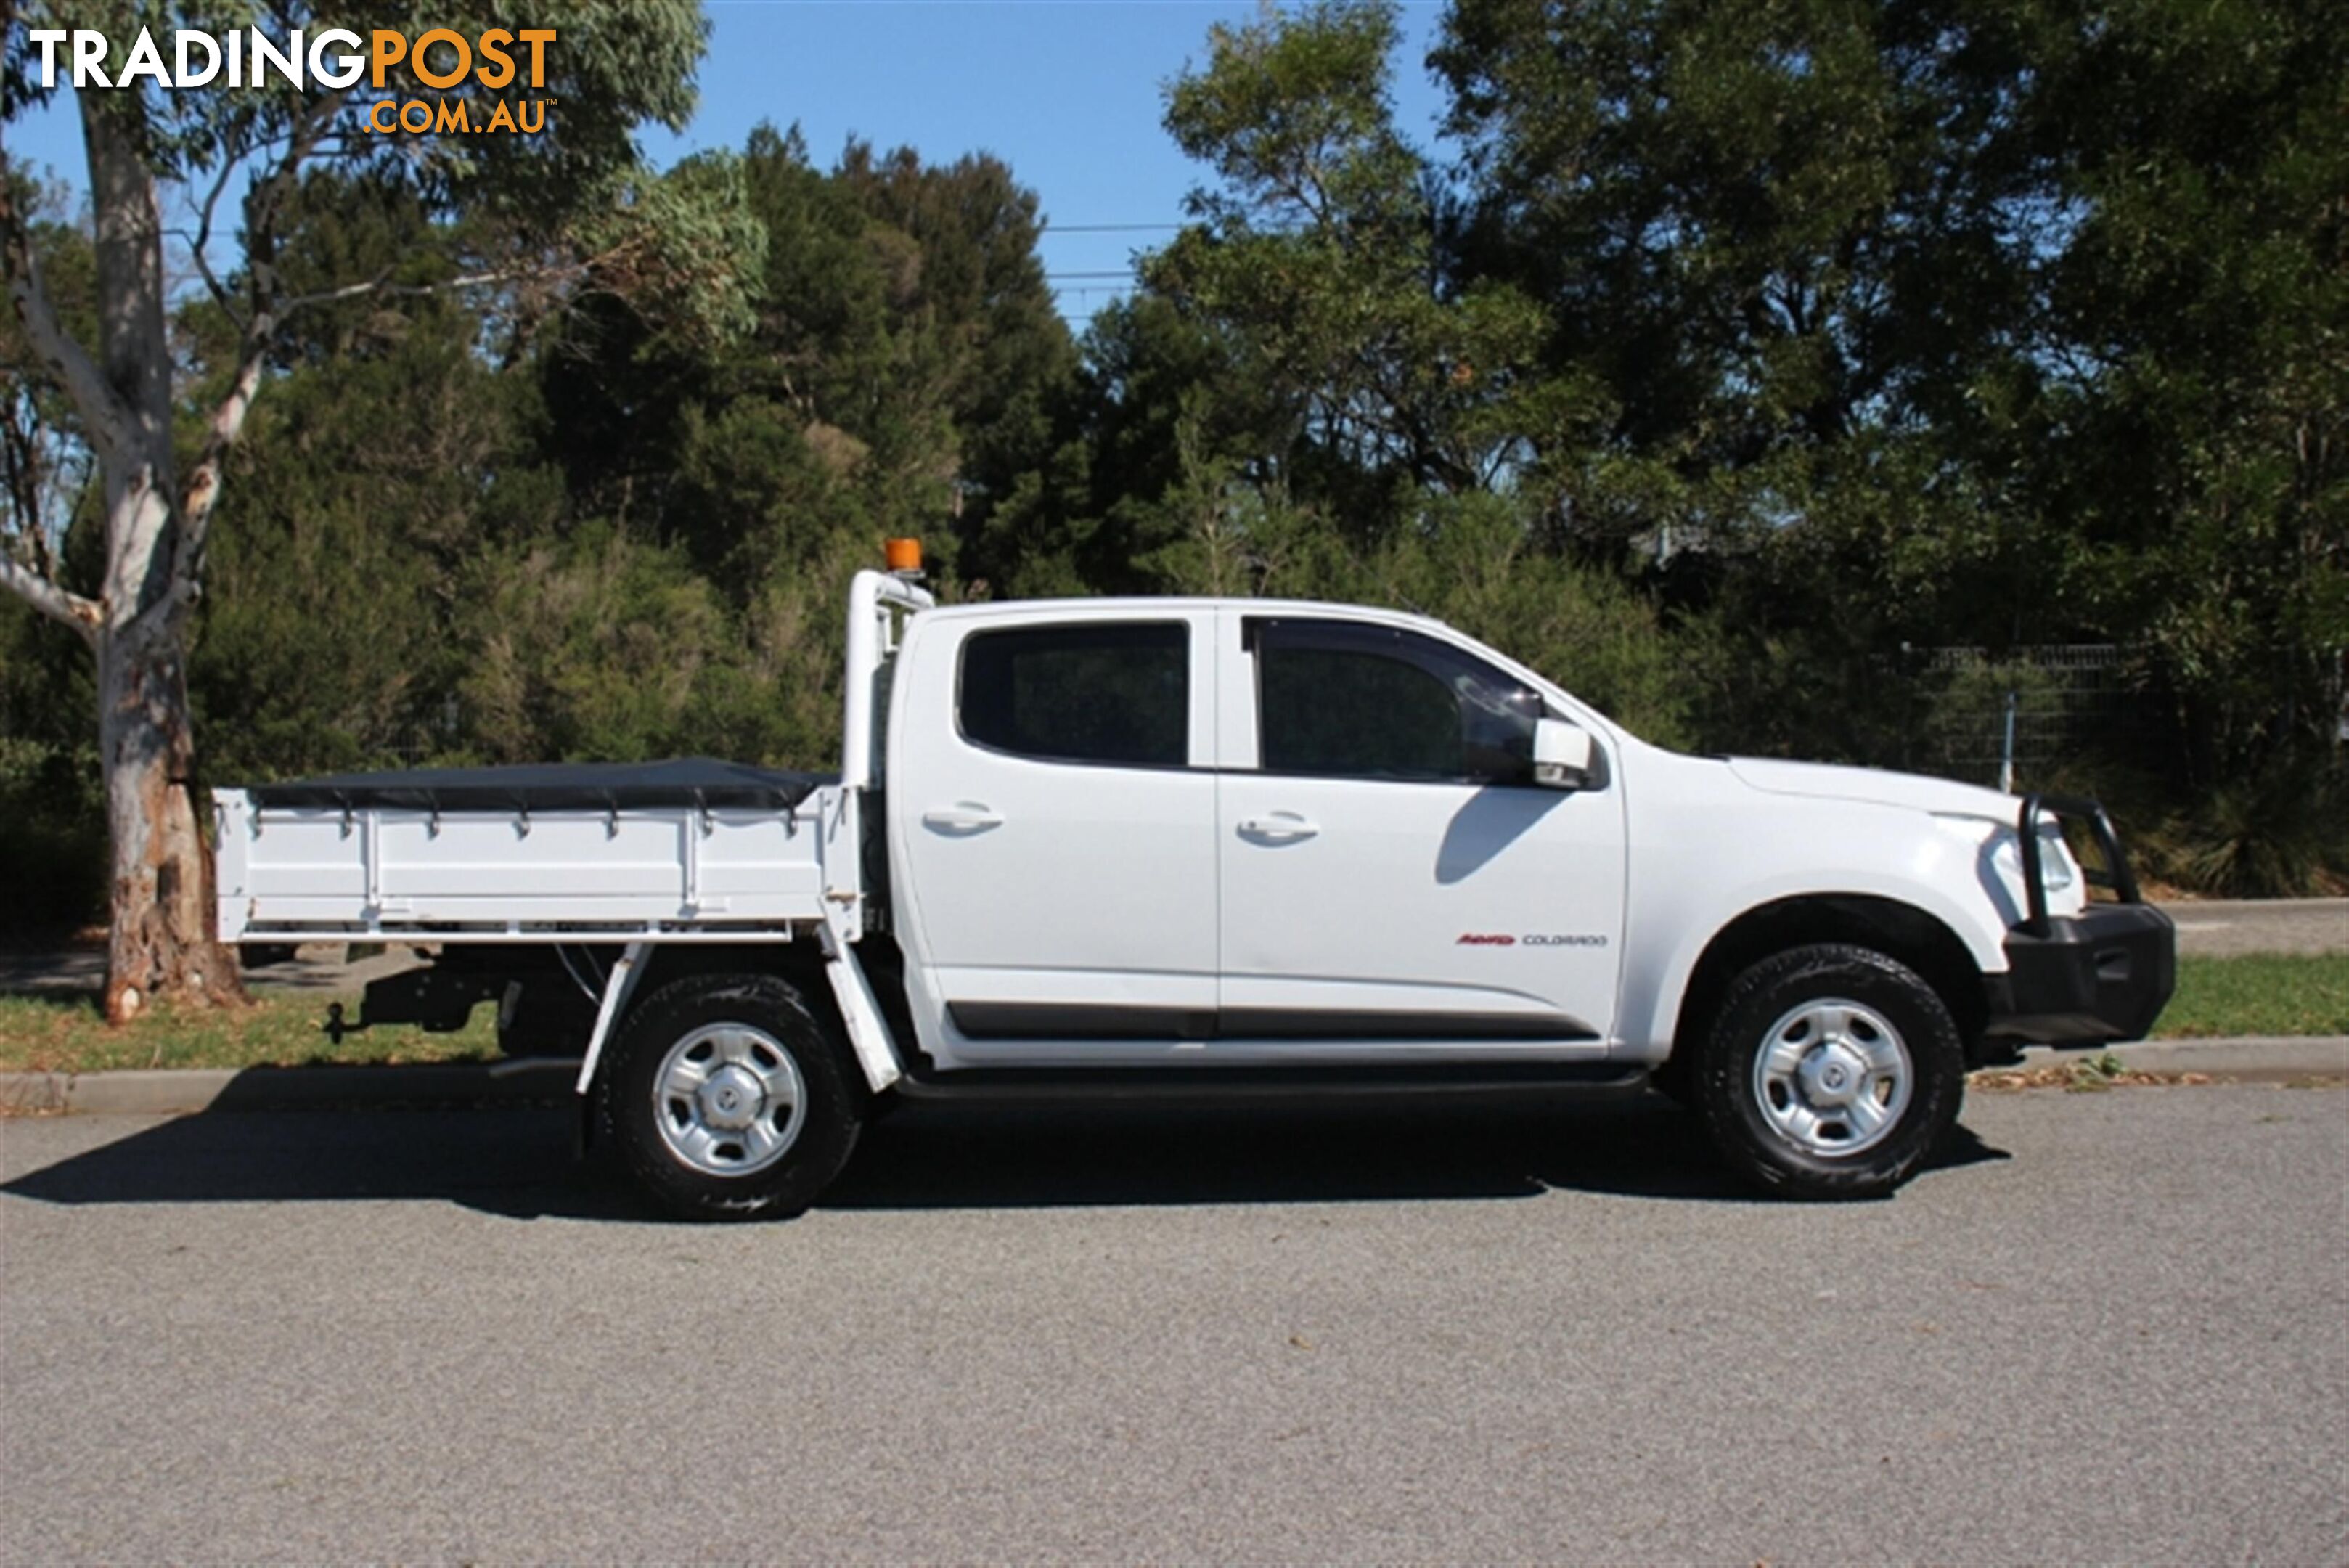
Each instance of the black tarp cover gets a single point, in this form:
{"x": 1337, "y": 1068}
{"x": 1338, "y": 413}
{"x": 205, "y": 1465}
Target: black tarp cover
{"x": 555, "y": 786}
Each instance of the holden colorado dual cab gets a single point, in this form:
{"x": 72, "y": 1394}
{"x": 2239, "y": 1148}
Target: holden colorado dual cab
{"x": 1204, "y": 847}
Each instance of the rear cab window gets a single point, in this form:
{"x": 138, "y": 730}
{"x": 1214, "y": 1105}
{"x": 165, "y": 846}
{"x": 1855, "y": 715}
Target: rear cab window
{"x": 1105, "y": 694}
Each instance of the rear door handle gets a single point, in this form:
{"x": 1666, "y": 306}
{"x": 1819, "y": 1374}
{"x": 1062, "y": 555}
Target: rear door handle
{"x": 1278, "y": 827}
{"x": 964, "y": 817}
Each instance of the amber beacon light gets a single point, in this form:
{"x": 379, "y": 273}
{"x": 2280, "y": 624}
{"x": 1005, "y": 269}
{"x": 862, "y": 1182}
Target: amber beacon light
{"x": 903, "y": 555}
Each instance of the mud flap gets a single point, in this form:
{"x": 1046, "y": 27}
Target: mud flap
{"x": 868, "y": 1035}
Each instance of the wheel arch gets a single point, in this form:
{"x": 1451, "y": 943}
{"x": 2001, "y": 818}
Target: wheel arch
{"x": 1914, "y": 937}
{"x": 801, "y": 963}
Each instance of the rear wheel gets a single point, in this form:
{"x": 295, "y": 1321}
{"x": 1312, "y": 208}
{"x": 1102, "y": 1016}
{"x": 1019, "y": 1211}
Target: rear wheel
{"x": 1830, "y": 1071}
{"x": 727, "y": 1099}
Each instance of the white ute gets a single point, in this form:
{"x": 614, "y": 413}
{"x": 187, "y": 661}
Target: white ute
{"x": 1200, "y": 846}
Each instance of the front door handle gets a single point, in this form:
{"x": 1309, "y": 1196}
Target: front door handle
{"x": 1278, "y": 827}
{"x": 964, "y": 817}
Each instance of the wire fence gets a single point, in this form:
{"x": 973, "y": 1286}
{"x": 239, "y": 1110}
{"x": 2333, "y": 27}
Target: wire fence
{"x": 2028, "y": 711}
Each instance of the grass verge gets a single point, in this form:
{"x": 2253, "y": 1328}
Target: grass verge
{"x": 66, "y": 1034}
{"x": 2259, "y": 995}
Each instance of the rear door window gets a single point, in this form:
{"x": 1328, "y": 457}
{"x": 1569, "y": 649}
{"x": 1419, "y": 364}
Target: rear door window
{"x": 1116, "y": 694}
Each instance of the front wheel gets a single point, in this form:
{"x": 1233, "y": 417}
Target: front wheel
{"x": 1830, "y": 1071}
{"x": 726, "y": 1099}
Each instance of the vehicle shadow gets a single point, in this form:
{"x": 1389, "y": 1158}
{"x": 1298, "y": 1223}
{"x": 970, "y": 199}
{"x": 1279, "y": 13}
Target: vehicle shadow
{"x": 517, "y": 1161}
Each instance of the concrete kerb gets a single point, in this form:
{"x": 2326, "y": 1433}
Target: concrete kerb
{"x": 2249, "y": 1059}
{"x": 2252, "y": 1058}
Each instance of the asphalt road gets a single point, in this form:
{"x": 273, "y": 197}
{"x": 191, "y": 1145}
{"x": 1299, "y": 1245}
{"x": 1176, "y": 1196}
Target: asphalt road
{"x": 2116, "y": 1329}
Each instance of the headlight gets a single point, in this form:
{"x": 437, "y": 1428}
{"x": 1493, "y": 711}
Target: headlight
{"x": 2058, "y": 872}
{"x": 2000, "y": 849}
{"x": 2057, "y": 866}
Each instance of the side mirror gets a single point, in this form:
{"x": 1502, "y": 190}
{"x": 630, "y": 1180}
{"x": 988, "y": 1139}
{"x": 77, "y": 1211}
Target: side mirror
{"x": 1563, "y": 754}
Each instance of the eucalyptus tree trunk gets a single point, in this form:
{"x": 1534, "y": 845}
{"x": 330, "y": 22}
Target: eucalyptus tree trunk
{"x": 164, "y": 936}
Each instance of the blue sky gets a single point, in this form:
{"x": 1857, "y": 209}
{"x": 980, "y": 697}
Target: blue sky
{"x": 1066, "y": 91}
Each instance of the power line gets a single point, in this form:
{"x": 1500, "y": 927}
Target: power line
{"x": 1087, "y": 276}
{"x": 1052, "y": 228}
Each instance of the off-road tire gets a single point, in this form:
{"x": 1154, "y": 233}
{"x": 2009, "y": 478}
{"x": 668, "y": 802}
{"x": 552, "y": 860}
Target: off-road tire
{"x": 630, "y": 1098}
{"x": 1735, "y": 1109}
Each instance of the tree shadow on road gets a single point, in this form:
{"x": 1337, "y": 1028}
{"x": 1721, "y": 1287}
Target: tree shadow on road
{"x": 519, "y": 1161}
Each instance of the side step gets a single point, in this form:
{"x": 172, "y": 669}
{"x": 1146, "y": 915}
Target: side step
{"x": 1223, "y": 1086}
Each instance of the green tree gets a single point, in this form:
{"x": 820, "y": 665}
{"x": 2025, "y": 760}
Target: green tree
{"x": 1307, "y": 399}
{"x": 54, "y": 850}
{"x": 2188, "y": 437}
{"x": 575, "y": 192}
{"x": 1320, "y": 250}
{"x": 1159, "y": 393}
{"x": 1942, "y": 322}
{"x": 392, "y": 452}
